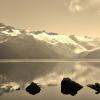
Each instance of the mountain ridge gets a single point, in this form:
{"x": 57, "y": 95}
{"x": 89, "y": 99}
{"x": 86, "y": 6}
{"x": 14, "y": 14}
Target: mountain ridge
{"x": 17, "y": 43}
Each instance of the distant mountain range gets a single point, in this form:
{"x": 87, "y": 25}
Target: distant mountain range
{"x": 21, "y": 44}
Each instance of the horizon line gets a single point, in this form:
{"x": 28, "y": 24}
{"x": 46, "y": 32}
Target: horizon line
{"x": 46, "y": 60}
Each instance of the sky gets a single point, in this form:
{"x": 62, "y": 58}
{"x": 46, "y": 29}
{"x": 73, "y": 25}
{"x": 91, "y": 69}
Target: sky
{"x": 79, "y": 17}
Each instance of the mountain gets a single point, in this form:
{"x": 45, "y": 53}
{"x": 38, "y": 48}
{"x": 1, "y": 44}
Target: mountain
{"x": 17, "y": 43}
{"x": 95, "y": 53}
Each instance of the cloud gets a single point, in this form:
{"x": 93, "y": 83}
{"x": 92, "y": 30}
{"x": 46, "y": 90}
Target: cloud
{"x": 75, "y": 6}
{"x": 89, "y": 6}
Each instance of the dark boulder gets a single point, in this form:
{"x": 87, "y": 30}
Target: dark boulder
{"x": 95, "y": 87}
{"x": 70, "y": 87}
{"x": 33, "y": 88}
{"x": 18, "y": 89}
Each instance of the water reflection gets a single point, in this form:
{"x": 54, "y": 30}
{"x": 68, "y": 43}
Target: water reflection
{"x": 51, "y": 74}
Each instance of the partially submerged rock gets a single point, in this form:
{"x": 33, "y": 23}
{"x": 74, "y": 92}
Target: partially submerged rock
{"x": 70, "y": 87}
{"x": 9, "y": 87}
{"x": 33, "y": 88}
{"x": 95, "y": 87}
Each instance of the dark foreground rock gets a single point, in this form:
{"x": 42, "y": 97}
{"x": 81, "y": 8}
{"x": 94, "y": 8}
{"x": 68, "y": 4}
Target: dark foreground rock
{"x": 70, "y": 87}
{"x": 33, "y": 88}
{"x": 95, "y": 87}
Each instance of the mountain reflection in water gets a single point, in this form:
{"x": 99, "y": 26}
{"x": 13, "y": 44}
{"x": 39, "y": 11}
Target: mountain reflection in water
{"x": 48, "y": 75}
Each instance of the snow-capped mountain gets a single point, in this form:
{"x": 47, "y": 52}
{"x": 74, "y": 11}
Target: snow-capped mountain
{"x": 16, "y": 43}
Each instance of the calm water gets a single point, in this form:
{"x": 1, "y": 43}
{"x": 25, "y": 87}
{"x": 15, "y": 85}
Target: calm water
{"x": 49, "y": 76}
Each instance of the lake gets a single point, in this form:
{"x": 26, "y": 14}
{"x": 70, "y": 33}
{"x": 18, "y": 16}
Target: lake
{"x": 49, "y": 76}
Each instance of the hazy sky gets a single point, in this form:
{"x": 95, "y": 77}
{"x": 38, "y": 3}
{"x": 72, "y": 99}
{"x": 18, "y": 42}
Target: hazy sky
{"x": 62, "y": 16}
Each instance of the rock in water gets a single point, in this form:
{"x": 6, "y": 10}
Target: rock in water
{"x": 95, "y": 87}
{"x": 33, "y": 88}
{"x": 70, "y": 87}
